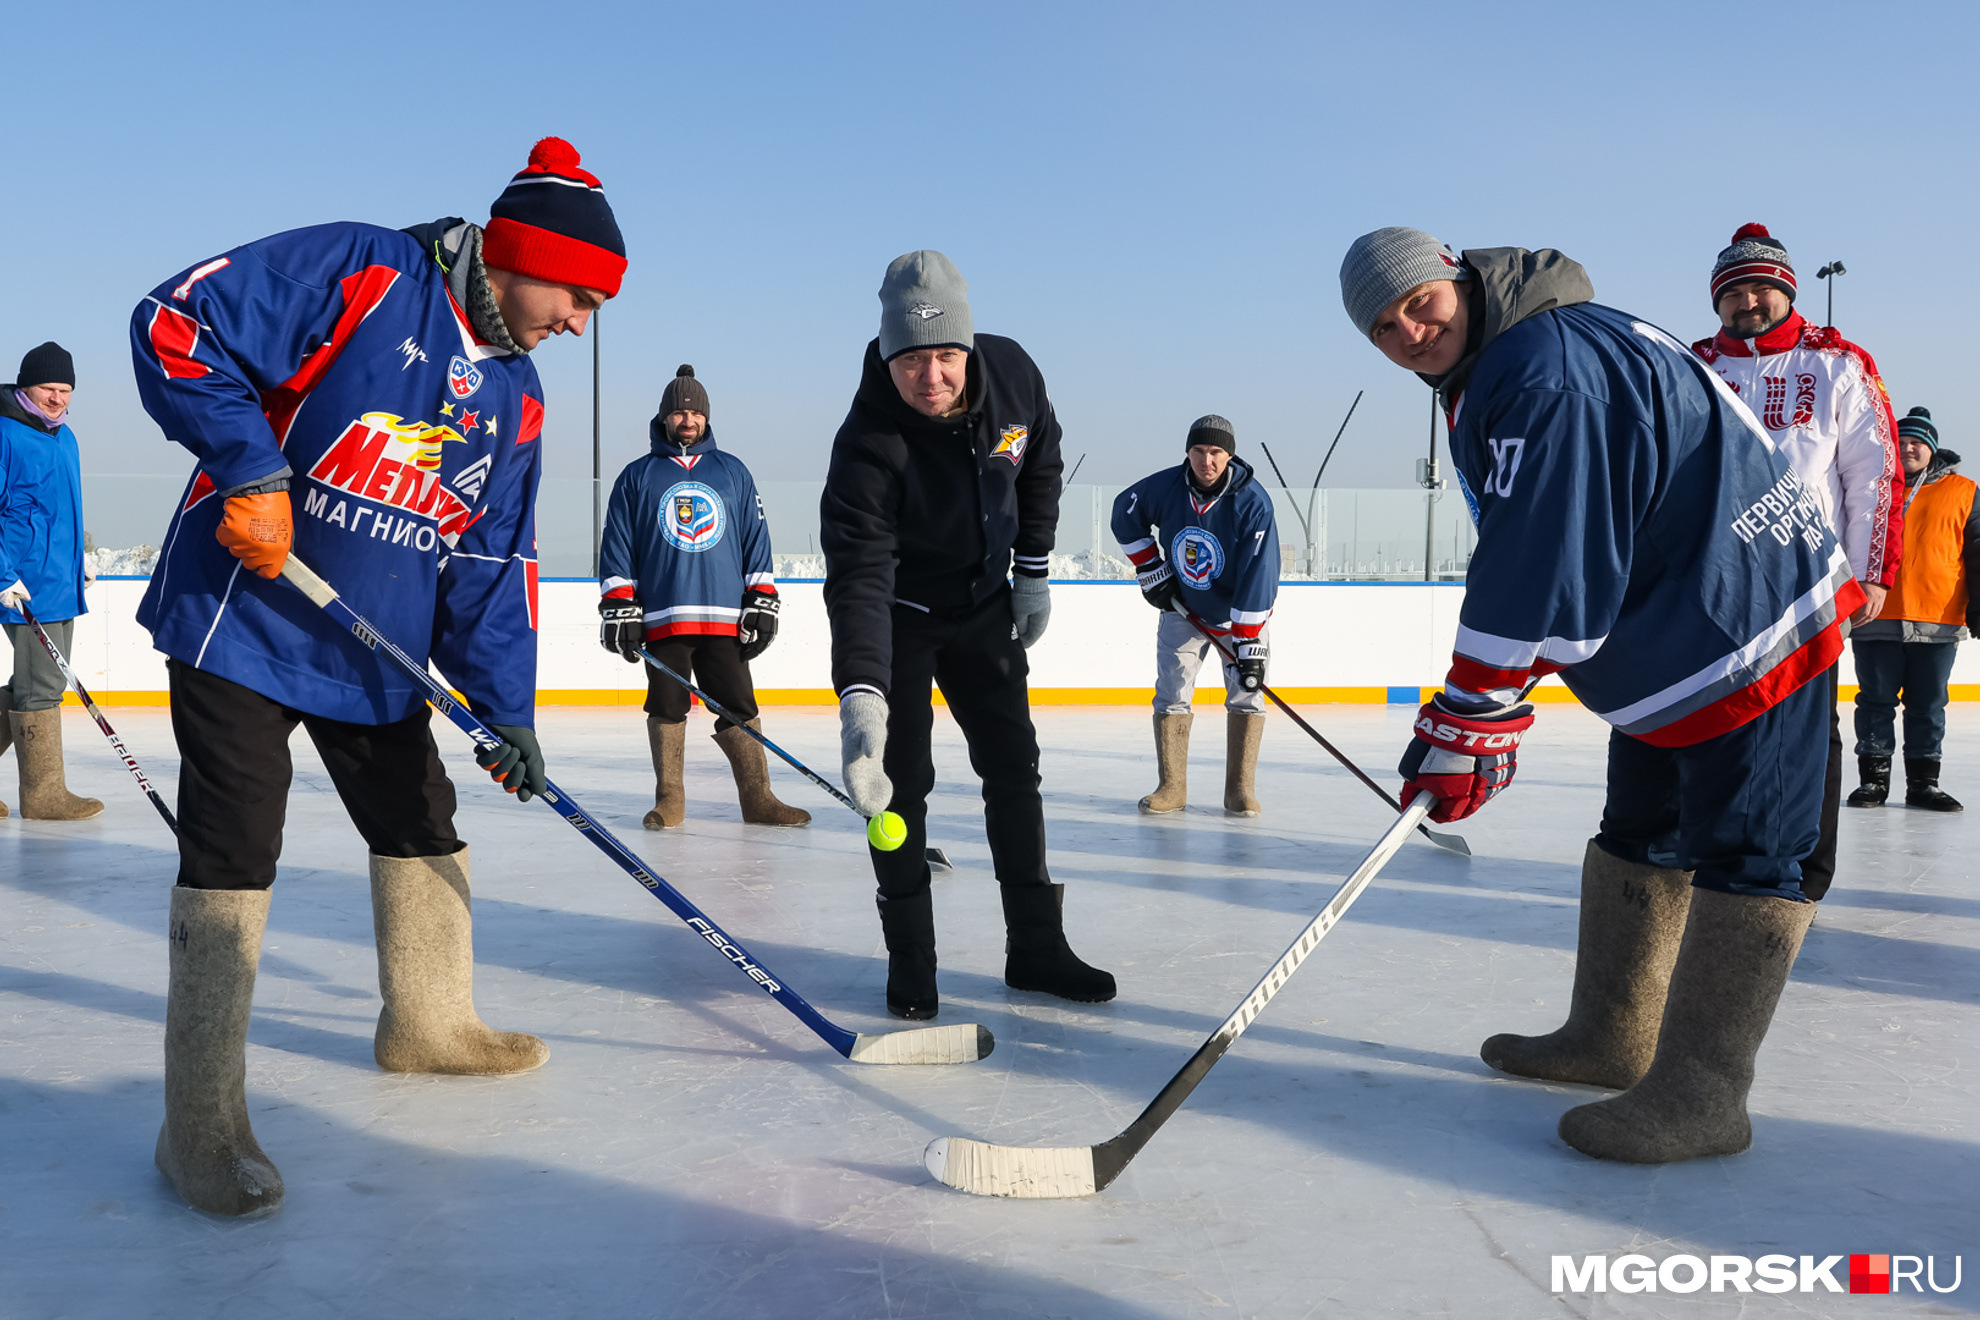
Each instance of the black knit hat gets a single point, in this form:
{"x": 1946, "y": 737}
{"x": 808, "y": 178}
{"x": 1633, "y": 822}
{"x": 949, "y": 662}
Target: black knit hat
{"x": 1917, "y": 425}
{"x": 684, "y": 393}
{"x": 1210, "y": 429}
{"x": 50, "y": 364}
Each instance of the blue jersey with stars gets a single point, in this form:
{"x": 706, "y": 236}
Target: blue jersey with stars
{"x": 685, "y": 536}
{"x": 1224, "y": 549}
{"x": 336, "y": 355}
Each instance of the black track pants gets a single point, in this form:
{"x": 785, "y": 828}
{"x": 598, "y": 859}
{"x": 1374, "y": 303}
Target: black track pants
{"x": 982, "y": 671}
{"x": 234, "y": 773}
{"x": 715, "y": 665}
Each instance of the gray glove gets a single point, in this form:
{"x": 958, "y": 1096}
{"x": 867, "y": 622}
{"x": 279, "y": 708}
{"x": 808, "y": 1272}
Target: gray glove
{"x": 517, "y": 765}
{"x": 1031, "y": 608}
{"x": 862, "y": 742}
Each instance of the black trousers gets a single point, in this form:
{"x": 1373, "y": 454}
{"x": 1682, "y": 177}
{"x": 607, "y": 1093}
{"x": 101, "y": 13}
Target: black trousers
{"x": 716, "y": 666}
{"x": 1819, "y": 867}
{"x": 982, "y": 671}
{"x": 234, "y": 775}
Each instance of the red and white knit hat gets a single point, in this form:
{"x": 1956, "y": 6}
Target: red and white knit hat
{"x": 1754, "y": 255}
{"x": 553, "y": 222}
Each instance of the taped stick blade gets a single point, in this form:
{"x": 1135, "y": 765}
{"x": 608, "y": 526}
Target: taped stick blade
{"x": 1032, "y": 1172}
{"x": 1449, "y": 842}
{"x": 964, "y": 1042}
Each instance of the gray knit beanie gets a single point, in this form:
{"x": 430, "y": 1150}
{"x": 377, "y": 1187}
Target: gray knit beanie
{"x": 924, "y": 303}
{"x": 1382, "y": 266}
{"x": 684, "y": 393}
{"x": 1210, "y": 429}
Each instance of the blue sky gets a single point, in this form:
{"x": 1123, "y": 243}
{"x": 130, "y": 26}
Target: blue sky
{"x": 1153, "y": 198}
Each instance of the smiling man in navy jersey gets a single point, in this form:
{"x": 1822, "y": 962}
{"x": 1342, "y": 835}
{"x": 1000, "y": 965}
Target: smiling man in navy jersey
{"x": 382, "y": 376}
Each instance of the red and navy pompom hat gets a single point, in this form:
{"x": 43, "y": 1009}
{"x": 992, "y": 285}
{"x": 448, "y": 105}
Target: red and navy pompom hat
{"x": 553, "y": 222}
{"x": 1754, "y": 254}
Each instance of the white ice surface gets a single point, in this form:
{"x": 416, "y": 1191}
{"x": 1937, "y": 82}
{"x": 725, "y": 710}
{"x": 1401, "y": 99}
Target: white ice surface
{"x": 692, "y": 1150}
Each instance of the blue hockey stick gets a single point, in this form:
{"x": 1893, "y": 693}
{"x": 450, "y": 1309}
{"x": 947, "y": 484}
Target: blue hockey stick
{"x": 962, "y": 1043}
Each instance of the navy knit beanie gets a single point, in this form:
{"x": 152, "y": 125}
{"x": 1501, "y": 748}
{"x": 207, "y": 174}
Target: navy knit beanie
{"x": 553, "y": 223}
{"x": 1917, "y": 425}
{"x": 50, "y": 364}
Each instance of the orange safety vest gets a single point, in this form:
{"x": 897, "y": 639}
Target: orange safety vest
{"x": 1931, "y": 580}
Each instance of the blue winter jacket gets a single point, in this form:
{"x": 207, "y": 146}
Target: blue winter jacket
{"x": 41, "y": 514}
{"x": 337, "y": 355}
{"x": 1225, "y": 550}
{"x": 685, "y": 535}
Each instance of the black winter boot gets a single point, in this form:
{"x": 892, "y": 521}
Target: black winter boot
{"x": 1036, "y": 955}
{"x": 1921, "y": 787}
{"x": 1875, "y": 772}
{"x": 908, "y": 923}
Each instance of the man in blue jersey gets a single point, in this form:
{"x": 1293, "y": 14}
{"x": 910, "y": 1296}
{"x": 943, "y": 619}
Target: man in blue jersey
{"x": 384, "y": 376}
{"x": 41, "y": 567}
{"x": 1222, "y": 567}
{"x": 1641, "y": 535}
{"x": 684, "y": 570}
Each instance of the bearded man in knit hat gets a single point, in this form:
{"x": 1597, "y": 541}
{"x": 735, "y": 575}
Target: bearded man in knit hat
{"x": 1639, "y": 536}
{"x": 937, "y": 520}
{"x": 384, "y": 377}
{"x": 1223, "y": 567}
{"x": 42, "y": 568}
{"x": 1823, "y": 403}
{"x": 684, "y": 570}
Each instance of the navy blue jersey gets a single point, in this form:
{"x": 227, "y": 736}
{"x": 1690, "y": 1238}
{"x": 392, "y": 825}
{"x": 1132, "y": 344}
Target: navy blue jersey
{"x": 1224, "y": 549}
{"x": 685, "y": 535}
{"x": 336, "y": 355}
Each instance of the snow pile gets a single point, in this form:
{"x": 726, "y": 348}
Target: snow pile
{"x": 136, "y": 561}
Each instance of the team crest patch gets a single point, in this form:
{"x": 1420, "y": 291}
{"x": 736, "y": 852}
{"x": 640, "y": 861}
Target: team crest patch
{"x": 1011, "y": 443}
{"x": 463, "y": 378}
{"x": 1197, "y": 556}
{"x": 692, "y": 517}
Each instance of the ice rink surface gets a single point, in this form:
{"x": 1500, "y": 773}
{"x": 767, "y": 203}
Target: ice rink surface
{"x": 692, "y": 1150}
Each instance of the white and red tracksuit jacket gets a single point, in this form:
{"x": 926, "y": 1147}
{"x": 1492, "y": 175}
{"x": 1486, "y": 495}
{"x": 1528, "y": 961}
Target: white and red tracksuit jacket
{"x": 1821, "y": 399}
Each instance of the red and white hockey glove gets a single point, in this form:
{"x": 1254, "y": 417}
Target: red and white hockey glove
{"x": 1464, "y": 761}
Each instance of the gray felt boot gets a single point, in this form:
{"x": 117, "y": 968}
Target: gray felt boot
{"x": 1172, "y": 763}
{"x": 668, "y": 743}
{"x": 45, "y": 791}
{"x": 206, "y": 1146}
{"x": 1632, "y": 921}
{"x": 1737, "y": 953}
{"x": 1242, "y": 736}
{"x": 760, "y": 806}
{"x": 419, "y": 908}
{"x": 6, "y": 732}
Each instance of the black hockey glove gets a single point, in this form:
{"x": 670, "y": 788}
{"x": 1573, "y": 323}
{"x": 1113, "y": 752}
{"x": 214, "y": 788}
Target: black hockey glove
{"x": 1251, "y": 656}
{"x": 517, "y": 765}
{"x": 621, "y": 627}
{"x": 759, "y": 622}
{"x": 1158, "y": 585}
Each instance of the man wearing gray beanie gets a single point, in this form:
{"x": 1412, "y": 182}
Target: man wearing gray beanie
{"x": 937, "y": 522}
{"x": 1680, "y": 577}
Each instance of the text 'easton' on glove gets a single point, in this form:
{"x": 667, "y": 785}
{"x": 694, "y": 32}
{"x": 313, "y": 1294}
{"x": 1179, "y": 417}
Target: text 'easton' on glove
{"x": 1251, "y": 656}
{"x": 259, "y": 530}
{"x": 517, "y": 765}
{"x": 1464, "y": 761}
{"x": 621, "y": 626}
{"x": 1158, "y": 585}
{"x": 758, "y": 627}
{"x": 862, "y": 749}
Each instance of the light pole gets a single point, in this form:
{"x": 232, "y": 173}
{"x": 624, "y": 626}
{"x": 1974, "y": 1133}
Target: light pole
{"x": 1829, "y": 273}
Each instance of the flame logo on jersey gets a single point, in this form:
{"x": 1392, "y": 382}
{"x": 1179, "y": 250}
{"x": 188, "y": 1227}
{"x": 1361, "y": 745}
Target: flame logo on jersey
{"x": 692, "y": 517}
{"x": 383, "y": 458}
{"x": 1011, "y": 443}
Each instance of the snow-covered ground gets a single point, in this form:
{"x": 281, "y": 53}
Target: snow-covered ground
{"x": 692, "y": 1150}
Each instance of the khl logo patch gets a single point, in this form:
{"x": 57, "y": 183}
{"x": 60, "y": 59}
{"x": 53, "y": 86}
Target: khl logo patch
{"x": 1197, "y": 556}
{"x": 1011, "y": 443}
{"x": 463, "y": 377}
{"x": 692, "y": 517}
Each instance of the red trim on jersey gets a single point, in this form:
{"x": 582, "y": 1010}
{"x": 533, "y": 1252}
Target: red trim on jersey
{"x": 1471, "y": 676}
{"x": 532, "y": 420}
{"x": 619, "y": 593}
{"x": 698, "y": 628}
{"x": 1145, "y": 556}
{"x": 529, "y": 579}
{"x": 174, "y": 336}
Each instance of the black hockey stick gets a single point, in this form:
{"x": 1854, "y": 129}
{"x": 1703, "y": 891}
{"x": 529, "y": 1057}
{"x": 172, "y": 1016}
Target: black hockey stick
{"x": 1450, "y": 842}
{"x": 1056, "y": 1171}
{"x": 963, "y": 1043}
{"x": 116, "y": 743}
{"x": 935, "y": 856}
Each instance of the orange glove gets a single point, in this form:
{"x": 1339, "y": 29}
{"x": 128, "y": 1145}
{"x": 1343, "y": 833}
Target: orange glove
{"x": 259, "y": 530}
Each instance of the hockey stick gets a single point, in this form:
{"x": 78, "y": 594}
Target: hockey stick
{"x": 116, "y": 743}
{"x": 1450, "y": 842}
{"x": 1058, "y": 1171}
{"x": 963, "y": 1043}
{"x": 935, "y": 856}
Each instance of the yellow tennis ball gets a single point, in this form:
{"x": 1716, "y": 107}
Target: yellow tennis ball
{"x": 886, "y": 831}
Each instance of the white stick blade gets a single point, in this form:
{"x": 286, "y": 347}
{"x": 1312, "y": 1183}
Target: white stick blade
{"x": 982, "y": 1169}
{"x": 965, "y": 1042}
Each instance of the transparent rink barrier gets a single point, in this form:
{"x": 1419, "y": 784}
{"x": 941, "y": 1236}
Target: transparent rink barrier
{"x": 1332, "y": 535}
